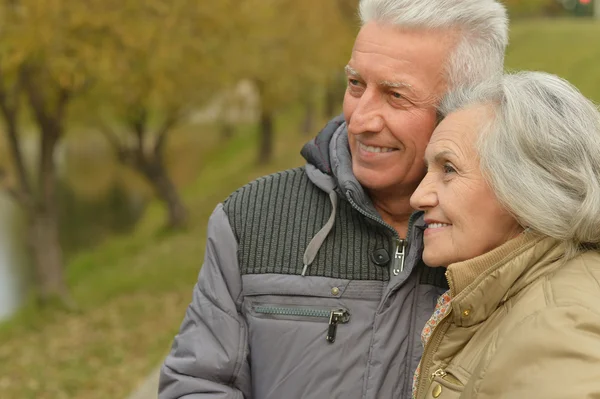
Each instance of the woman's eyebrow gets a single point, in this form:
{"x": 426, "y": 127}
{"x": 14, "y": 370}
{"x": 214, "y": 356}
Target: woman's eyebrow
{"x": 442, "y": 156}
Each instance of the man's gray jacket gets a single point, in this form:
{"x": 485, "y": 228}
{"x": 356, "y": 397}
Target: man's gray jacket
{"x": 305, "y": 292}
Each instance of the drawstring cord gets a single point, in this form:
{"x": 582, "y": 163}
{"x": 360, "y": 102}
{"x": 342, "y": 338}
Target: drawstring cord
{"x": 317, "y": 241}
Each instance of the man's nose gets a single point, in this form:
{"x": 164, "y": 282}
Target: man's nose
{"x": 368, "y": 114}
{"x": 425, "y": 196}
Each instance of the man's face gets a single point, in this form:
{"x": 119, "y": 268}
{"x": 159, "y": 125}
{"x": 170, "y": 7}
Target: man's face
{"x": 395, "y": 80}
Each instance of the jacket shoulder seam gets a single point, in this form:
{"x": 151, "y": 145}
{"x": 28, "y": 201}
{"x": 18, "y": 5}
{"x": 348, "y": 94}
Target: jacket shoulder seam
{"x": 587, "y": 270}
{"x": 240, "y": 354}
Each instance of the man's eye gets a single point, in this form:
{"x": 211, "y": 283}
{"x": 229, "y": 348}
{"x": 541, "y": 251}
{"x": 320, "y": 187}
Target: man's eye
{"x": 353, "y": 82}
{"x": 397, "y": 95}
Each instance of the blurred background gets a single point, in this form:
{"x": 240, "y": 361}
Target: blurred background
{"x": 124, "y": 122}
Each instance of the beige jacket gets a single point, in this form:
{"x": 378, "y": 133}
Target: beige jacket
{"x": 521, "y": 325}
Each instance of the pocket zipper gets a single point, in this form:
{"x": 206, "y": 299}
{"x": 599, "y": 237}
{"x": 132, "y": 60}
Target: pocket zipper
{"x": 441, "y": 373}
{"x": 335, "y": 316}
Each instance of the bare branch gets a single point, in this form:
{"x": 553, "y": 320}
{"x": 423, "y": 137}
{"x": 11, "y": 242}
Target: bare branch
{"x": 111, "y": 137}
{"x": 35, "y": 97}
{"x": 168, "y": 124}
{"x": 139, "y": 122}
{"x": 21, "y": 198}
{"x": 9, "y": 104}
{"x": 64, "y": 96}
{"x": 125, "y": 154}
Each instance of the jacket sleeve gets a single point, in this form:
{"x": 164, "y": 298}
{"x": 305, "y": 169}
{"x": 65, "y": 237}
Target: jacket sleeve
{"x": 209, "y": 356}
{"x": 554, "y": 354}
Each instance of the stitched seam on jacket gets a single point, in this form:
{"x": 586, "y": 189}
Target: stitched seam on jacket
{"x": 548, "y": 291}
{"x": 479, "y": 381}
{"x": 369, "y": 360}
{"x": 411, "y": 341}
{"x": 238, "y": 318}
{"x": 589, "y": 272}
{"x": 215, "y": 303}
{"x": 240, "y": 297}
{"x": 240, "y": 353}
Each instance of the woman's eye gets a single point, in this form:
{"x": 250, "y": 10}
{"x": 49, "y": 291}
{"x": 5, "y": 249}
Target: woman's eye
{"x": 449, "y": 168}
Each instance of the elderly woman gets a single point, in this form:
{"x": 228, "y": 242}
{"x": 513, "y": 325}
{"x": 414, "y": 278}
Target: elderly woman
{"x": 512, "y": 206}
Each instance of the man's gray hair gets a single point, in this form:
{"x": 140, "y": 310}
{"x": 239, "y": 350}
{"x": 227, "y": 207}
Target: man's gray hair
{"x": 541, "y": 154}
{"x": 482, "y": 26}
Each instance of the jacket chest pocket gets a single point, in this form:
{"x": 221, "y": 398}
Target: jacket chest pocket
{"x": 332, "y": 316}
{"x": 308, "y": 337}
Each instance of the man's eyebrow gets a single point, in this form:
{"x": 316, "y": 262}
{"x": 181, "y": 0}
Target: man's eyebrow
{"x": 351, "y": 71}
{"x": 398, "y": 85}
{"x": 395, "y": 85}
{"x": 385, "y": 83}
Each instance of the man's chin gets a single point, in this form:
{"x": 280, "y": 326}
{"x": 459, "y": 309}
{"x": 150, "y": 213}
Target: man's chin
{"x": 373, "y": 180}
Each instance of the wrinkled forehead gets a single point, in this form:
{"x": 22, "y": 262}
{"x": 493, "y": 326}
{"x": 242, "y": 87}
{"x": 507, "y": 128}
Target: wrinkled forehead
{"x": 415, "y": 57}
{"x": 463, "y": 127}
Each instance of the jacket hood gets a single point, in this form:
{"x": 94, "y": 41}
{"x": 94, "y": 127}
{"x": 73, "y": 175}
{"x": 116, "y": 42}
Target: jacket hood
{"x": 329, "y": 165}
{"x": 316, "y": 151}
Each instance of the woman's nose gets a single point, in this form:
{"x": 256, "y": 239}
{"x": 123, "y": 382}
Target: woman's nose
{"x": 425, "y": 197}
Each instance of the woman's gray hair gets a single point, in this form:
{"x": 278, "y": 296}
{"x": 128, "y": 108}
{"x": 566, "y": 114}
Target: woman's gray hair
{"x": 541, "y": 154}
{"x": 481, "y": 24}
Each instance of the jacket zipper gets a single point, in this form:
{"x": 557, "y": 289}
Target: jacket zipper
{"x": 401, "y": 244}
{"x": 400, "y": 256}
{"x": 401, "y": 248}
{"x": 335, "y": 316}
{"x": 434, "y": 342}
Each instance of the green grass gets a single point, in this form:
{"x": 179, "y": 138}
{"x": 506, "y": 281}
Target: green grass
{"x": 569, "y": 48}
{"x": 133, "y": 290}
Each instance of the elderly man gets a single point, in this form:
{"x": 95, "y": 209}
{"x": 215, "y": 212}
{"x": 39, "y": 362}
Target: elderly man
{"x": 313, "y": 284}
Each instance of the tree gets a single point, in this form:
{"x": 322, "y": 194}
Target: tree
{"x": 533, "y": 8}
{"x": 290, "y": 49}
{"x": 163, "y": 62}
{"x": 45, "y": 54}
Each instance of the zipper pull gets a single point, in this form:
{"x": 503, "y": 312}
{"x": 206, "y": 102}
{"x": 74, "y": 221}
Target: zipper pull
{"x": 438, "y": 373}
{"x": 336, "y": 317}
{"x": 400, "y": 252}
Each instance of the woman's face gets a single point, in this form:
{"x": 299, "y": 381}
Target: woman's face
{"x": 463, "y": 216}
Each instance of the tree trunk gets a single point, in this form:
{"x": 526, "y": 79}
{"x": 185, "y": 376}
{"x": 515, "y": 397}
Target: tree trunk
{"x": 47, "y": 257}
{"x": 227, "y": 130}
{"x": 265, "y": 149}
{"x": 167, "y": 193}
{"x": 334, "y": 96}
{"x": 330, "y": 101}
{"x": 44, "y": 227}
{"x": 42, "y": 211}
{"x": 308, "y": 124}
{"x": 265, "y": 139}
